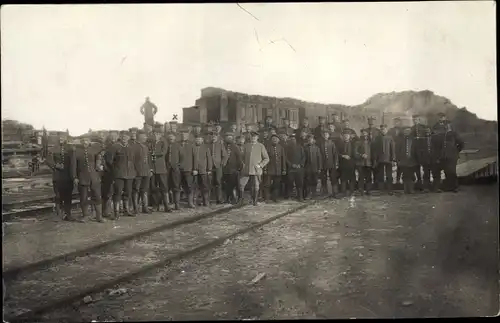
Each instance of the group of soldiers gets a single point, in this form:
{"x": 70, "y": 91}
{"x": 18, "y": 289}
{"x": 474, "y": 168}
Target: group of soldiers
{"x": 131, "y": 171}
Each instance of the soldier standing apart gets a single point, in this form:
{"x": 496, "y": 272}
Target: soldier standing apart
{"x": 364, "y": 162}
{"x": 295, "y": 159}
{"x": 418, "y": 131}
{"x": 312, "y": 168}
{"x": 59, "y": 160}
{"x": 123, "y": 164}
{"x": 254, "y": 158}
{"x": 219, "y": 159}
{"x": 405, "y": 154}
{"x": 159, "y": 179}
{"x": 274, "y": 170}
{"x": 148, "y": 109}
{"x": 330, "y": 163}
{"x": 347, "y": 165}
{"x": 85, "y": 175}
{"x": 449, "y": 144}
{"x": 231, "y": 168}
{"x": 143, "y": 168}
{"x": 186, "y": 164}
{"x": 385, "y": 156}
{"x": 202, "y": 166}
{"x": 396, "y": 133}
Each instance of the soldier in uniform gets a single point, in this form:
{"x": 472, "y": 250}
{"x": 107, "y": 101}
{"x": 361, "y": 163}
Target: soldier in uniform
{"x": 249, "y": 129}
{"x": 286, "y": 127}
{"x": 264, "y": 137}
{"x": 240, "y": 142}
{"x": 334, "y": 134}
{"x": 59, "y": 160}
{"x": 85, "y": 175}
{"x": 418, "y": 131}
{"x": 364, "y": 161}
{"x": 320, "y": 129}
{"x": 172, "y": 166}
{"x": 196, "y": 132}
{"x": 304, "y": 127}
{"x": 274, "y": 170}
{"x": 202, "y": 166}
{"x": 295, "y": 159}
{"x": 148, "y": 109}
{"x": 175, "y": 130}
{"x": 269, "y": 122}
{"x": 346, "y": 127}
{"x": 384, "y": 156}
{"x": 405, "y": 154}
{"x": 448, "y": 147}
{"x": 234, "y": 129}
{"x": 186, "y": 159}
{"x": 336, "y": 122}
{"x": 312, "y": 167}
{"x": 143, "y": 168}
{"x": 159, "y": 178}
{"x": 330, "y": 162}
{"x": 428, "y": 161}
{"x": 231, "y": 168}
{"x": 442, "y": 125}
{"x": 108, "y": 177}
{"x": 303, "y": 138}
{"x": 372, "y": 133}
{"x": 218, "y": 131}
{"x": 347, "y": 164}
{"x": 219, "y": 159}
{"x": 121, "y": 158}
{"x": 285, "y": 189}
{"x": 396, "y": 133}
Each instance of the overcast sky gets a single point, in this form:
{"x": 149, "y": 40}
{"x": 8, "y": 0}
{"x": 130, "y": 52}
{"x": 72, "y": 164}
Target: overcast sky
{"x": 91, "y": 66}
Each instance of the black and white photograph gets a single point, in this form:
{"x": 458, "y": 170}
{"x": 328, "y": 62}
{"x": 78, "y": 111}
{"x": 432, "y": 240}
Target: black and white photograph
{"x": 249, "y": 161}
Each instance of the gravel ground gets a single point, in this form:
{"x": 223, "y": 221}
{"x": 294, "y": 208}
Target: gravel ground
{"x": 426, "y": 255}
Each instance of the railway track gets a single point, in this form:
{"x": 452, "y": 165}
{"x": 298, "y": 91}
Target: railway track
{"x": 72, "y": 279}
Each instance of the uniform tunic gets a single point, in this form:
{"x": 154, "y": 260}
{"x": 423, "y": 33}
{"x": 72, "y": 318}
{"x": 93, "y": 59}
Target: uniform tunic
{"x": 330, "y": 162}
{"x": 143, "y": 168}
{"x": 203, "y": 165}
{"x": 62, "y": 182}
{"x": 313, "y": 164}
{"x": 84, "y": 168}
{"x": 122, "y": 159}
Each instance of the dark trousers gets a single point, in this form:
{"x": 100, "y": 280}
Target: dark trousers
{"x": 347, "y": 177}
{"x": 418, "y": 173}
{"x": 216, "y": 183}
{"x": 399, "y": 174}
{"x": 332, "y": 173}
{"x": 284, "y": 186}
{"x": 159, "y": 183}
{"x": 107, "y": 186}
{"x": 141, "y": 184}
{"x": 63, "y": 191}
{"x": 408, "y": 173}
{"x": 202, "y": 182}
{"x": 296, "y": 177}
{"x": 186, "y": 181}
{"x": 310, "y": 182}
{"x": 230, "y": 183}
{"x": 94, "y": 189}
{"x": 365, "y": 178}
{"x": 174, "y": 179}
{"x": 427, "y": 176}
{"x": 122, "y": 188}
{"x": 271, "y": 184}
{"x": 450, "y": 172}
{"x": 384, "y": 172}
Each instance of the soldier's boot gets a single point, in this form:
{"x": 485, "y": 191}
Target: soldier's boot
{"x": 126, "y": 208}
{"x": 206, "y": 198}
{"x": 265, "y": 194}
{"x": 411, "y": 187}
{"x": 436, "y": 185}
{"x": 191, "y": 200}
{"x": 116, "y": 211}
{"x": 58, "y": 209}
{"x": 324, "y": 189}
{"x": 218, "y": 195}
{"x": 352, "y": 186}
{"x": 241, "y": 197}
{"x": 145, "y": 208}
{"x": 98, "y": 213}
{"x": 177, "y": 198}
{"x": 69, "y": 216}
{"x": 105, "y": 207}
{"x": 343, "y": 188}
{"x": 254, "y": 196}
{"x": 166, "y": 203}
{"x": 135, "y": 203}
{"x": 85, "y": 213}
{"x": 274, "y": 195}
{"x": 300, "y": 194}
{"x": 334, "y": 191}
{"x": 368, "y": 188}
{"x": 234, "y": 197}
{"x": 389, "y": 189}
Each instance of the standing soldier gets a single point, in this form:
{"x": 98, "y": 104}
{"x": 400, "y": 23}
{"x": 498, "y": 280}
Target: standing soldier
{"x": 240, "y": 142}
{"x": 336, "y": 122}
{"x": 346, "y": 127}
{"x": 295, "y": 159}
{"x": 186, "y": 159}
{"x": 202, "y": 166}
{"x": 219, "y": 159}
{"x": 347, "y": 164}
{"x": 264, "y": 137}
{"x": 143, "y": 168}
{"x": 396, "y": 133}
{"x": 428, "y": 159}
{"x": 312, "y": 168}
{"x": 174, "y": 128}
{"x": 364, "y": 162}
{"x": 148, "y": 109}
{"x": 320, "y": 129}
{"x": 269, "y": 123}
{"x": 385, "y": 156}
{"x": 418, "y": 131}
{"x": 286, "y": 127}
{"x": 218, "y": 131}
{"x": 330, "y": 162}
{"x": 405, "y": 154}
{"x": 172, "y": 165}
{"x": 122, "y": 160}
{"x": 448, "y": 146}
{"x": 159, "y": 179}
{"x": 283, "y": 141}
{"x": 274, "y": 170}
{"x": 334, "y": 134}
{"x": 249, "y": 129}
{"x": 372, "y": 133}
{"x": 234, "y": 129}
{"x": 254, "y": 158}
{"x": 304, "y": 127}
{"x": 59, "y": 160}
{"x": 195, "y": 133}
{"x": 231, "y": 168}
{"x": 85, "y": 176}
{"x": 303, "y": 138}
{"x": 442, "y": 124}
{"x": 108, "y": 176}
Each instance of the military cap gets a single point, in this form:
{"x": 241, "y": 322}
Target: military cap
{"x": 254, "y": 133}
{"x": 292, "y": 135}
{"x": 397, "y": 118}
{"x": 345, "y": 120}
{"x": 275, "y": 135}
{"x": 441, "y": 114}
{"x": 371, "y": 118}
{"x": 124, "y": 132}
{"x": 141, "y": 132}
{"x": 173, "y": 121}
{"x": 346, "y": 132}
{"x": 415, "y": 116}
{"x": 158, "y": 129}
{"x": 383, "y": 126}
{"x": 229, "y": 133}
{"x": 134, "y": 129}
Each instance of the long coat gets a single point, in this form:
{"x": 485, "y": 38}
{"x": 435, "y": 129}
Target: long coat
{"x": 347, "y": 148}
{"x": 448, "y": 145}
{"x": 314, "y": 162}
{"x": 60, "y": 155}
{"x": 295, "y": 155}
{"x": 202, "y": 159}
{"x": 158, "y": 157}
{"x": 218, "y": 153}
{"x": 277, "y": 160}
{"x": 405, "y": 152}
{"x": 233, "y": 163}
{"x": 253, "y": 155}
{"x": 372, "y": 133}
{"x": 172, "y": 156}
{"x": 384, "y": 149}
{"x": 142, "y": 160}
{"x": 83, "y": 164}
{"x": 362, "y": 147}
{"x": 122, "y": 160}
{"x": 186, "y": 157}
{"x": 329, "y": 155}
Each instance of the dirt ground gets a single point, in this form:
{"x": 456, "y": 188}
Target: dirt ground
{"x": 426, "y": 255}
